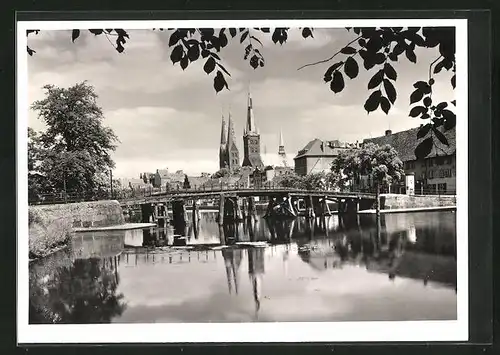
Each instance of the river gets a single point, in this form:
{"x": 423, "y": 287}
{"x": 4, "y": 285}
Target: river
{"x": 327, "y": 270}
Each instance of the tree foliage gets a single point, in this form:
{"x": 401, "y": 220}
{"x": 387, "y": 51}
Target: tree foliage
{"x": 221, "y": 173}
{"x": 380, "y": 164}
{"x": 371, "y": 48}
{"x": 311, "y": 181}
{"x": 73, "y": 153}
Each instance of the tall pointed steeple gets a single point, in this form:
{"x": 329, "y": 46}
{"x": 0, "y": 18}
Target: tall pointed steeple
{"x": 232, "y": 150}
{"x": 281, "y": 149}
{"x": 250, "y": 126}
{"x": 251, "y": 139}
{"x": 223, "y": 158}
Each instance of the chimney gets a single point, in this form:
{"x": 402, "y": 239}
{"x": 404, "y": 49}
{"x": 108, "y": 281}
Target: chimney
{"x": 388, "y": 132}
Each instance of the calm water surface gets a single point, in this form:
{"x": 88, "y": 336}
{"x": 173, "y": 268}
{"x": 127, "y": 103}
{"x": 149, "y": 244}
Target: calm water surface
{"x": 327, "y": 270}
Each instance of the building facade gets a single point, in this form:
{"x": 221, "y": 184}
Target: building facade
{"x": 436, "y": 174}
{"x": 317, "y": 156}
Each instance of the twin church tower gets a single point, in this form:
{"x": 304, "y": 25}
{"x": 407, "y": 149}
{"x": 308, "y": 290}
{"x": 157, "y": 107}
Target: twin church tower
{"x": 229, "y": 156}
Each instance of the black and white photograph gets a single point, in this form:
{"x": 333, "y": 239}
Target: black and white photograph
{"x": 242, "y": 181}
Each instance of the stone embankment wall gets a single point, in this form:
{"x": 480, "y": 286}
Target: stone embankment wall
{"x": 51, "y": 226}
{"x": 397, "y": 201}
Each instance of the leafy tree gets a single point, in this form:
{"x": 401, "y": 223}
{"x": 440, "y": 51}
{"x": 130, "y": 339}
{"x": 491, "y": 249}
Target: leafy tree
{"x": 377, "y": 48}
{"x": 224, "y": 172}
{"x": 73, "y": 153}
{"x": 380, "y": 164}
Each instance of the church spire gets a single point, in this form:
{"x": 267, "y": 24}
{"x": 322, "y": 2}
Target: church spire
{"x": 223, "y": 133}
{"x": 282, "y": 144}
{"x": 250, "y": 126}
{"x": 281, "y": 149}
{"x": 230, "y": 131}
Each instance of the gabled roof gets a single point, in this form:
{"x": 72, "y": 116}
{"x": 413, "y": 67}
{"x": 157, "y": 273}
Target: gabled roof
{"x": 317, "y": 147}
{"x": 405, "y": 143}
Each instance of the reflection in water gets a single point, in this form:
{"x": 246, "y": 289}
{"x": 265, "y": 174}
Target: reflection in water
{"x": 78, "y": 285}
{"x": 94, "y": 280}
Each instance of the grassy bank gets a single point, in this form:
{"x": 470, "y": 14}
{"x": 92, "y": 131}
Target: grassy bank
{"x": 46, "y": 233}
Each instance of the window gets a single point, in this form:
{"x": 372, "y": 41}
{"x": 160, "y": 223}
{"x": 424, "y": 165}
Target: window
{"x": 431, "y": 174}
{"x": 442, "y": 188}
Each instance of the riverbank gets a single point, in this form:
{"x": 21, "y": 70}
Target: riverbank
{"x": 407, "y": 210}
{"x": 51, "y": 227}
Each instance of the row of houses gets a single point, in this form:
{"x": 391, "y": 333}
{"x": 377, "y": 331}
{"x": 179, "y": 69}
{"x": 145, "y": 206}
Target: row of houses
{"x": 434, "y": 174}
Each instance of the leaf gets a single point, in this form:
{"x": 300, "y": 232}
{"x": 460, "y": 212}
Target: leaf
{"x": 379, "y": 58}
{"x": 390, "y": 91}
{"x": 222, "y": 40}
{"x": 96, "y": 31}
{"x": 219, "y": 82}
{"x": 384, "y": 104}
{"x": 424, "y": 148}
{"x": 348, "y": 50}
{"x": 376, "y": 79}
{"x": 427, "y": 101}
{"x": 193, "y": 53}
{"x": 410, "y": 54}
{"x": 351, "y": 68}
{"x": 215, "y": 55}
{"x": 416, "y": 96}
{"x": 454, "y": 103}
{"x": 184, "y": 62}
{"x": 417, "y": 111}
{"x": 438, "y": 67}
{"x": 373, "y": 101}
{"x": 254, "y": 61}
{"x": 223, "y": 69}
{"x": 440, "y": 136}
{"x": 337, "y": 84}
{"x": 423, "y": 86}
{"x": 74, "y": 35}
{"x": 330, "y": 70}
{"x": 453, "y": 81}
{"x": 390, "y": 72}
{"x": 176, "y": 54}
{"x": 441, "y": 106}
{"x": 306, "y": 32}
{"x": 244, "y": 36}
{"x": 424, "y": 130}
{"x": 205, "y": 53}
{"x": 265, "y": 29}
{"x": 450, "y": 119}
{"x": 30, "y": 51}
{"x": 232, "y": 32}
{"x": 209, "y": 65}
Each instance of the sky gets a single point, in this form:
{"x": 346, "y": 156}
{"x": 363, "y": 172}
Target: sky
{"x": 165, "y": 117}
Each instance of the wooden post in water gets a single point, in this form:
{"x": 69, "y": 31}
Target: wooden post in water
{"x": 221, "y": 209}
{"x": 252, "y": 211}
{"x": 309, "y": 207}
{"x": 270, "y": 205}
{"x": 146, "y": 211}
{"x": 178, "y": 213}
{"x": 237, "y": 210}
{"x": 195, "y": 214}
{"x": 377, "y": 203}
{"x": 244, "y": 208}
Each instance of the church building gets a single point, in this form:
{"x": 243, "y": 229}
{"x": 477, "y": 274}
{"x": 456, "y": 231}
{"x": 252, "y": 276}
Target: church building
{"x": 251, "y": 140}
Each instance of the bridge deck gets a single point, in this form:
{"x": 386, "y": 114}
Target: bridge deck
{"x": 156, "y": 197}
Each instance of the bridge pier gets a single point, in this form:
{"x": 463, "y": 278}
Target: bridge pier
{"x": 270, "y": 206}
{"x": 237, "y": 210}
{"x": 195, "y": 215}
{"x": 252, "y": 211}
{"x": 220, "y": 217}
{"x": 309, "y": 207}
{"x": 146, "y": 212}
{"x": 179, "y": 213}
